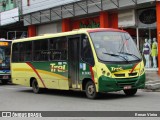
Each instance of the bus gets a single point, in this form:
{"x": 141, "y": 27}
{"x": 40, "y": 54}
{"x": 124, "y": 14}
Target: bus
{"x": 91, "y": 60}
{"x": 5, "y": 48}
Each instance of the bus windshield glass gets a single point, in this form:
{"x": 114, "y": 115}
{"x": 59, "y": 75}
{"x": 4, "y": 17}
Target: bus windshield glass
{"x": 5, "y": 54}
{"x": 115, "y": 47}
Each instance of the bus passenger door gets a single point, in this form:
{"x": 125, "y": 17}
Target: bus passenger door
{"x": 73, "y": 61}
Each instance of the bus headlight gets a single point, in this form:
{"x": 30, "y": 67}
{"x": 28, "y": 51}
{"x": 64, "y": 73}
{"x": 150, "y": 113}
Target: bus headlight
{"x": 108, "y": 74}
{"x": 103, "y": 72}
{"x": 141, "y": 71}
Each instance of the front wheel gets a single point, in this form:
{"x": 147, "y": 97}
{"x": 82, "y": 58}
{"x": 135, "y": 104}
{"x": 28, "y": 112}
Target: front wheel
{"x": 91, "y": 90}
{"x": 130, "y": 92}
{"x": 35, "y": 87}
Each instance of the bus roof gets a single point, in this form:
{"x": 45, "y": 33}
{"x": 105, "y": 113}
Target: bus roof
{"x": 105, "y": 29}
{"x": 73, "y": 32}
{"x": 3, "y": 39}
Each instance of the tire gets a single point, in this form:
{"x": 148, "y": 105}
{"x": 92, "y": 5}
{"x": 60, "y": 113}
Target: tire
{"x": 35, "y": 87}
{"x": 90, "y": 90}
{"x": 130, "y": 92}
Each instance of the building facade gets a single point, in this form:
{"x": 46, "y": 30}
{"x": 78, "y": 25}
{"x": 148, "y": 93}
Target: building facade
{"x": 139, "y": 17}
{"x": 11, "y": 25}
{"x": 6, "y": 5}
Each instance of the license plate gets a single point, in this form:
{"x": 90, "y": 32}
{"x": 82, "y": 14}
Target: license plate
{"x": 5, "y": 77}
{"x": 127, "y": 87}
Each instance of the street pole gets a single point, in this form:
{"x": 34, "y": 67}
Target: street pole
{"x": 137, "y": 31}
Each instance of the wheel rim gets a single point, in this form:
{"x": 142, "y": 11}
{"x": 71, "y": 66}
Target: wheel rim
{"x": 91, "y": 90}
{"x": 35, "y": 86}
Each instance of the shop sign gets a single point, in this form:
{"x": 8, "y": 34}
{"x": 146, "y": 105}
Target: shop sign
{"x": 90, "y": 24}
{"x": 126, "y": 18}
{"x": 148, "y": 16}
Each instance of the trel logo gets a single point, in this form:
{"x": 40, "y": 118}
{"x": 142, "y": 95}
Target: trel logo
{"x": 116, "y": 69}
{"x": 57, "y": 68}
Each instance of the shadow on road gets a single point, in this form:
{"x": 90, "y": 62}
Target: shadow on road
{"x": 7, "y": 84}
{"x": 79, "y": 94}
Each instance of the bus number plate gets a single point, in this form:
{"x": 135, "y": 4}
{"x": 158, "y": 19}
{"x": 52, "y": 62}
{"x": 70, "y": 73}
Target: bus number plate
{"x": 127, "y": 87}
{"x": 5, "y": 77}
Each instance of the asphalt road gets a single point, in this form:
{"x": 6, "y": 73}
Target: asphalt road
{"x": 20, "y": 98}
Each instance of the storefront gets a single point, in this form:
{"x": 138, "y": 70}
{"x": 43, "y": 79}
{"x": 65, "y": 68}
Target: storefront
{"x": 140, "y": 23}
{"x": 143, "y": 28}
{"x": 148, "y": 37}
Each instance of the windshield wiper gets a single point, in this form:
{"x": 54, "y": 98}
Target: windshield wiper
{"x": 115, "y": 55}
{"x": 130, "y": 55}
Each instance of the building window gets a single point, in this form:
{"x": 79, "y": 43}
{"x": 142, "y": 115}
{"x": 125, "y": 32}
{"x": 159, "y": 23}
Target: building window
{"x": 22, "y": 52}
{"x": 4, "y": 3}
{"x": 11, "y": 1}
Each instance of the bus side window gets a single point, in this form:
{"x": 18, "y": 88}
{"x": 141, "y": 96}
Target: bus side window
{"x": 58, "y": 48}
{"x": 40, "y": 50}
{"x": 21, "y": 51}
{"x": 28, "y": 51}
{"x": 15, "y": 52}
{"x": 86, "y": 51}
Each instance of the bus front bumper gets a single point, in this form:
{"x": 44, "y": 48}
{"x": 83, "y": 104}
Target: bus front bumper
{"x": 6, "y": 77}
{"x": 107, "y": 84}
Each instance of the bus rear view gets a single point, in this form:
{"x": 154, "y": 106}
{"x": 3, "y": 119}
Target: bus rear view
{"x": 5, "y": 47}
{"x": 119, "y": 64}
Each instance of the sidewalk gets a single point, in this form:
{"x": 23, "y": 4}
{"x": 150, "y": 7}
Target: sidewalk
{"x": 152, "y": 81}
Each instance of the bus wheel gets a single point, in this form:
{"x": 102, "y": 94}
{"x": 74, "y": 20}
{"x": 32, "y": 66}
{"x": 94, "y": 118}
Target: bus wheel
{"x": 90, "y": 90}
{"x": 130, "y": 92}
{"x": 35, "y": 87}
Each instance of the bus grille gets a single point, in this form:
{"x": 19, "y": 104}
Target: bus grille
{"x": 125, "y": 82}
{"x": 119, "y": 75}
{"x": 123, "y": 74}
{"x": 132, "y": 74}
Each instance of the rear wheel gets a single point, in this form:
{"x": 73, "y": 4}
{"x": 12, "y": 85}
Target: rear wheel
{"x": 130, "y": 92}
{"x": 35, "y": 87}
{"x": 91, "y": 90}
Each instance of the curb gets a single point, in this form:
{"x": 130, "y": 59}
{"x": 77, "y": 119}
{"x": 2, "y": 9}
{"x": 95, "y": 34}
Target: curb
{"x": 152, "y": 86}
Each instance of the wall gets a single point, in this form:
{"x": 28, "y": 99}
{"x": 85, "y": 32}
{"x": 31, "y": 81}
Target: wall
{"x": 49, "y": 28}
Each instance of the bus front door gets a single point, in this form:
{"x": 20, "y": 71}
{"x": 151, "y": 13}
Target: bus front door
{"x": 73, "y": 61}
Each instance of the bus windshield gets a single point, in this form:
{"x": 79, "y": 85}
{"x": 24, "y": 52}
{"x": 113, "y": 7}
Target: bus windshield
{"x": 115, "y": 47}
{"x": 5, "y": 55}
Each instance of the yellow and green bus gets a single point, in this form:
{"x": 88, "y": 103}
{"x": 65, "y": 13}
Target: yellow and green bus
{"x": 91, "y": 60}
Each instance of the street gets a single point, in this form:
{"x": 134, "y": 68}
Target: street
{"x": 20, "y": 98}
